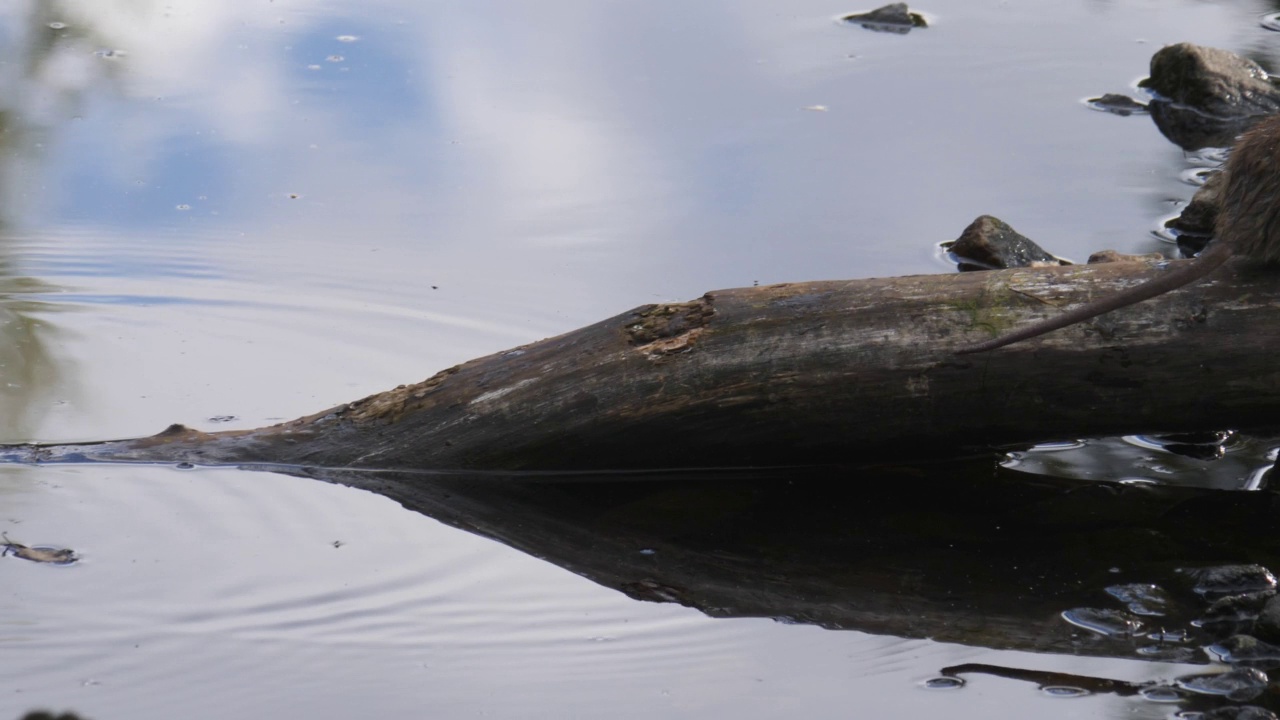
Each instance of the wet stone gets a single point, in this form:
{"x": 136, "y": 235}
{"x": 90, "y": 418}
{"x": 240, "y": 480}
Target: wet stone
{"x": 1240, "y": 684}
{"x": 1207, "y": 96}
{"x": 1118, "y": 104}
{"x": 1247, "y": 652}
{"x": 1241, "y": 712}
{"x": 1212, "y": 80}
{"x": 1267, "y": 625}
{"x": 1233, "y": 614}
{"x": 893, "y": 18}
{"x": 1222, "y": 580}
{"x": 1142, "y": 598}
{"x": 989, "y": 242}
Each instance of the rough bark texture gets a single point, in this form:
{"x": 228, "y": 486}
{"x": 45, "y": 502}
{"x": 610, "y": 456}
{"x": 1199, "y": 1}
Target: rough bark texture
{"x": 803, "y": 373}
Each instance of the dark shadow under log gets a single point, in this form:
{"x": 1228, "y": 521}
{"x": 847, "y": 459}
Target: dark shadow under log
{"x": 951, "y": 551}
{"x": 818, "y": 372}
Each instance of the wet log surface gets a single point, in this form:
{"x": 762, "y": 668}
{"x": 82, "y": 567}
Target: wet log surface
{"x": 802, "y": 373}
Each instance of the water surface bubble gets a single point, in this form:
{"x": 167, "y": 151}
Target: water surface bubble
{"x": 1161, "y": 694}
{"x": 347, "y": 38}
{"x": 335, "y": 58}
{"x": 1064, "y": 691}
{"x": 944, "y": 683}
{"x": 1170, "y": 653}
{"x": 58, "y": 25}
{"x": 1110, "y": 623}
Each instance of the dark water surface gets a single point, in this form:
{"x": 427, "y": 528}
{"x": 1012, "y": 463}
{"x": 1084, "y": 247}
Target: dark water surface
{"x": 230, "y": 213}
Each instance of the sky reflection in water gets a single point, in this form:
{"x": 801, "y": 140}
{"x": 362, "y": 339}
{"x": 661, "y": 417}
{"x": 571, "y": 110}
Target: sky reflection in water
{"x": 258, "y": 210}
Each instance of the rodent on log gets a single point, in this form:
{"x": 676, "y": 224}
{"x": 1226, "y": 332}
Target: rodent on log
{"x": 1248, "y": 225}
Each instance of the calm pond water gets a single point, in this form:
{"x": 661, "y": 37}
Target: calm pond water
{"x": 231, "y": 213}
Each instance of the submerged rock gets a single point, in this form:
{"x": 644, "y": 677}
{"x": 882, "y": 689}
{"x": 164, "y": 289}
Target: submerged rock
{"x": 1118, "y": 104}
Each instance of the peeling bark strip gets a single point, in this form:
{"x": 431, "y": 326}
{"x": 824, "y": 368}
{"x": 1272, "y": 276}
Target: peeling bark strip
{"x": 802, "y": 373}
{"x": 659, "y": 331}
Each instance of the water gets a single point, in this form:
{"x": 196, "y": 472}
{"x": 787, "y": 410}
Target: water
{"x": 231, "y": 213}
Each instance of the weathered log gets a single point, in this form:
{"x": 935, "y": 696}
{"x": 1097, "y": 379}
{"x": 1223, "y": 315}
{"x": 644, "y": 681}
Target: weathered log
{"x": 815, "y": 372}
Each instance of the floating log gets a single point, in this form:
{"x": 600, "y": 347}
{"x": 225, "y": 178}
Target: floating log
{"x": 801, "y": 373}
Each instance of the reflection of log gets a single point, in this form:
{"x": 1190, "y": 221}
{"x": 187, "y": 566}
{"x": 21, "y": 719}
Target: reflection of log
{"x": 803, "y": 373}
{"x": 948, "y": 551}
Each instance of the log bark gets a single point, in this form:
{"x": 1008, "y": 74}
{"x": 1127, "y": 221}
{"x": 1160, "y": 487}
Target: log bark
{"x": 802, "y": 373}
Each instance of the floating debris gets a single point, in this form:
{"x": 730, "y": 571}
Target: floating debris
{"x": 40, "y": 554}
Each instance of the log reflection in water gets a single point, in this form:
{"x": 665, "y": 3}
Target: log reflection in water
{"x": 949, "y": 552}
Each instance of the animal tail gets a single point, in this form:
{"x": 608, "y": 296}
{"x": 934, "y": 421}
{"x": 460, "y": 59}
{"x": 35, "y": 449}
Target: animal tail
{"x": 1205, "y": 263}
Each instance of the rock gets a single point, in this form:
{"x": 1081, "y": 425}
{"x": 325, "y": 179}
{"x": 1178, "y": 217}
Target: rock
{"x": 892, "y": 18}
{"x": 1267, "y": 625}
{"x": 1244, "y": 651}
{"x": 1117, "y": 104}
{"x": 1207, "y": 96}
{"x": 1200, "y": 215}
{"x": 1240, "y": 712}
{"x": 990, "y": 242}
{"x": 1239, "y": 684}
{"x": 1211, "y": 80}
{"x": 1218, "y": 581}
